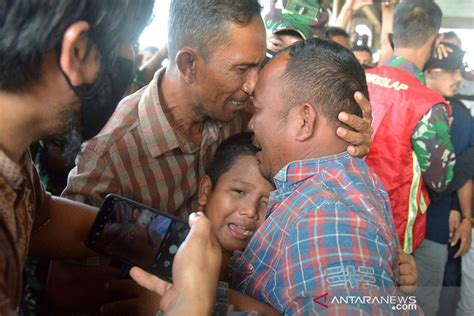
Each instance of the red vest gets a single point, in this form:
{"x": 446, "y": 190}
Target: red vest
{"x": 399, "y": 101}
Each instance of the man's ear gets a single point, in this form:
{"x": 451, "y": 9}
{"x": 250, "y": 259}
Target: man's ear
{"x": 205, "y": 189}
{"x": 428, "y": 73}
{"x": 80, "y": 63}
{"x": 306, "y": 120}
{"x": 186, "y": 61}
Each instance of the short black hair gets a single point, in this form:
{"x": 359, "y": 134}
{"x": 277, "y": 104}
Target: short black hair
{"x": 450, "y": 35}
{"x": 361, "y": 48}
{"x": 30, "y": 29}
{"x": 414, "y": 22}
{"x": 228, "y": 152}
{"x": 325, "y": 75}
{"x": 204, "y": 24}
{"x": 336, "y": 31}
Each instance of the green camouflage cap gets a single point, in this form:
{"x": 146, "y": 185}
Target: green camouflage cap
{"x": 306, "y": 17}
{"x": 286, "y": 22}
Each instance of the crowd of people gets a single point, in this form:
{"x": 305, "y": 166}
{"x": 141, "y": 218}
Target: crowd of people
{"x": 307, "y": 169}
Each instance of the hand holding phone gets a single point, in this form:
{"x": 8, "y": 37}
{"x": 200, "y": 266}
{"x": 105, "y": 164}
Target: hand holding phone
{"x": 196, "y": 275}
{"x": 137, "y": 235}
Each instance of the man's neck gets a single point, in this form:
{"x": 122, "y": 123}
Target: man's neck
{"x": 179, "y": 108}
{"x": 18, "y": 127}
{"x": 324, "y": 146}
{"x": 415, "y": 56}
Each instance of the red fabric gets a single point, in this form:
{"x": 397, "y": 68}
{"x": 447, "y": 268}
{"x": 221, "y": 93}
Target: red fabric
{"x": 399, "y": 102}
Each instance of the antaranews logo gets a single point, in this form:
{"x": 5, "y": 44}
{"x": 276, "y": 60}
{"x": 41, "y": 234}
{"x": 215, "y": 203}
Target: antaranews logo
{"x": 397, "y": 303}
{"x": 321, "y": 300}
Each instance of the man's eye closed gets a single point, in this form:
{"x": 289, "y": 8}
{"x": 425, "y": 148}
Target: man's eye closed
{"x": 276, "y": 44}
{"x": 242, "y": 69}
{"x": 238, "y": 192}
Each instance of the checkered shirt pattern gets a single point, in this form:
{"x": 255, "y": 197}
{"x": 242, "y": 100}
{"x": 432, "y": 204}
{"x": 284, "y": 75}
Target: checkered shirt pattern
{"x": 139, "y": 155}
{"x": 329, "y": 230}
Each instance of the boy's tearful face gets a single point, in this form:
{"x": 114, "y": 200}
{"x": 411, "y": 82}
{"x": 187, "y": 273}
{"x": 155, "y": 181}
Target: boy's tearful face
{"x": 237, "y": 205}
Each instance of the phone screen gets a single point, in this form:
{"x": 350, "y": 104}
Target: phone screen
{"x": 137, "y": 235}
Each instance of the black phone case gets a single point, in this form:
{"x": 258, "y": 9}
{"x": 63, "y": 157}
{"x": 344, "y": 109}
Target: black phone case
{"x": 163, "y": 259}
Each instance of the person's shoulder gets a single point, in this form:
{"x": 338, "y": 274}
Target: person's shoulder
{"x": 120, "y": 128}
{"x": 459, "y": 106}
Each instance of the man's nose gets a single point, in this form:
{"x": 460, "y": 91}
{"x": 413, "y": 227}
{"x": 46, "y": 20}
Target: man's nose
{"x": 250, "y": 124}
{"x": 458, "y": 75}
{"x": 251, "y": 81}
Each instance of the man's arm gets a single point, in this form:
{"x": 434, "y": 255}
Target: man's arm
{"x": 64, "y": 234}
{"x": 386, "y": 49}
{"x": 431, "y": 142}
{"x": 349, "y": 7}
{"x": 463, "y": 171}
{"x": 91, "y": 179}
{"x": 463, "y": 231}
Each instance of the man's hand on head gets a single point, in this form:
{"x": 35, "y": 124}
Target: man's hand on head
{"x": 442, "y": 51}
{"x": 361, "y": 138}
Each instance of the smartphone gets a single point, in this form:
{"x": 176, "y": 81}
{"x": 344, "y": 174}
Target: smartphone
{"x": 137, "y": 235}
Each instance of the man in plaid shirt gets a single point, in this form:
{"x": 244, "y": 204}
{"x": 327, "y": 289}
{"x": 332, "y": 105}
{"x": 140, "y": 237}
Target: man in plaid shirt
{"x": 329, "y": 230}
{"x": 328, "y": 245}
{"x": 159, "y": 141}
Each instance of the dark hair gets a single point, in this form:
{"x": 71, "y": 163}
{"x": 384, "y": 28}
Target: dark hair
{"x": 326, "y": 75}
{"x": 227, "y": 153}
{"x": 451, "y": 35}
{"x": 414, "y": 22}
{"x": 361, "y": 48}
{"x": 336, "y": 31}
{"x": 31, "y": 29}
{"x": 204, "y": 24}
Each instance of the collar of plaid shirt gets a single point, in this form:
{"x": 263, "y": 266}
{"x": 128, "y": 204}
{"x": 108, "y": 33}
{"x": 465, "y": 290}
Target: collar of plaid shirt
{"x": 160, "y": 136}
{"x": 298, "y": 171}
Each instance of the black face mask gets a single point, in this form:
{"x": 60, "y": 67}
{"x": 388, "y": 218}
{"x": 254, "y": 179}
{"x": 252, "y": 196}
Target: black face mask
{"x": 97, "y": 109}
{"x": 100, "y": 99}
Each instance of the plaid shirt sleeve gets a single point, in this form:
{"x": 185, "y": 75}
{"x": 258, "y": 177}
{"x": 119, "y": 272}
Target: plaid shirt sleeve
{"x": 91, "y": 179}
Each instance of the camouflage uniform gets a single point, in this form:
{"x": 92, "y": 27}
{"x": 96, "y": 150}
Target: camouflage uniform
{"x": 307, "y": 17}
{"x": 431, "y": 139}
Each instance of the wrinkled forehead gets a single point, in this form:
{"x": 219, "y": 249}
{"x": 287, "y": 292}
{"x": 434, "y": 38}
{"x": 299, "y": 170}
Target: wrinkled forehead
{"x": 245, "y": 43}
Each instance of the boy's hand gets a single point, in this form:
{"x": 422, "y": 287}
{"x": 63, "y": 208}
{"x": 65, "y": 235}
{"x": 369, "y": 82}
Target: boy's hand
{"x": 408, "y": 278}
